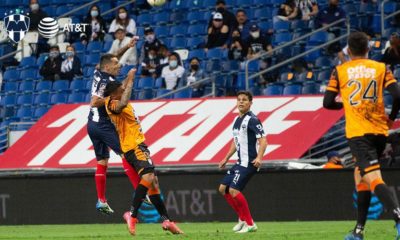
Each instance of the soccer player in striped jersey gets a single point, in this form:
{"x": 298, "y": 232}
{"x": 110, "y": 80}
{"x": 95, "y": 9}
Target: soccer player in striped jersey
{"x": 136, "y": 153}
{"x": 249, "y": 142}
{"x": 361, "y": 83}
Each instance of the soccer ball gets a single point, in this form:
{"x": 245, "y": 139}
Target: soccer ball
{"x": 156, "y": 3}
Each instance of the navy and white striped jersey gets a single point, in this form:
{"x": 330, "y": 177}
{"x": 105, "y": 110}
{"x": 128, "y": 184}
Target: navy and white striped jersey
{"x": 100, "y": 81}
{"x": 246, "y": 130}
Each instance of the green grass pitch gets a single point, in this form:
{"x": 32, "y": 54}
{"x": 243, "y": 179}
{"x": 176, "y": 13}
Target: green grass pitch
{"x": 376, "y": 230}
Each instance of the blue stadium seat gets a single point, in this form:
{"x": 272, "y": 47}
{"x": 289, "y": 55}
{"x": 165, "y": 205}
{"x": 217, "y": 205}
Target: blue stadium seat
{"x": 281, "y": 38}
{"x": 9, "y": 100}
{"x": 366, "y": 9}
{"x": 39, "y": 112}
{"x": 145, "y": 94}
{"x": 253, "y": 66}
{"x": 106, "y": 46}
{"x": 215, "y": 53}
{"x": 145, "y": 19}
{"x": 10, "y": 87}
{"x": 311, "y": 57}
{"x": 185, "y": 93}
{"x": 281, "y": 26}
{"x": 318, "y": 38}
{"x": 286, "y": 76}
{"x": 161, "y": 18}
{"x": 28, "y": 62}
{"x": 94, "y": 46}
{"x": 196, "y": 16}
{"x": 324, "y": 76}
{"x": 159, "y": 83}
{"x": 292, "y": 89}
{"x": 41, "y": 59}
{"x": 88, "y": 71}
{"x": 62, "y": 9}
{"x": 78, "y": 85}
{"x": 92, "y": 59}
{"x": 273, "y": 89}
{"x": 350, "y": 9}
{"x": 28, "y": 74}
{"x": 198, "y": 29}
{"x": 42, "y": 99}
{"x": 213, "y": 65}
{"x": 161, "y": 92}
{"x": 305, "y": 76}
{"x": 61, "y": 86}
{"x": 195, "y": 42}
{"x": 58, "y": 98}
{"x": 161, "y": 31}
{"x": 389, "y": 7}
{"x": 145, "y": 83}
{"x": 298, "y": 25}
{"x": 125, "y": 69}
{"x": 199, "y": 53}
{"x": 88, "y": 97}
{"x": 24, "y": 113}
{"x": 396, "y": 73}
{"x": 11, "y": 75}
{"x": 89, "y": 84}
{"x": 178, "y": 42}
{"x": 26, "y": 86}
{"x": 178, "y": 31}
{"x": 76, "y": 98}
{"x": 43, "y": 86}
{"x": 311, "y": 88}
{"x": 262, "y": 14}
{"x": 79, "y": 47}
{"x": 25, "y": 100}
{"x": 265, "y": 26}
{"x": 323, "y": 63}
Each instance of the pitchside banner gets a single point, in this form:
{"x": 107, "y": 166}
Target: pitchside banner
{"x": 178, "y": 132}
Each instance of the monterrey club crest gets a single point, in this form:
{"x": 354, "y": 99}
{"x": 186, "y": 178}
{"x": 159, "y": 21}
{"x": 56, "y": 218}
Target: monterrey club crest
{"x": 16, "y": 25}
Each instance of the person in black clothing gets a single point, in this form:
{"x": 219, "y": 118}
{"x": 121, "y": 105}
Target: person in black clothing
{"x": 71, "y": 66}
{"x": 151, "y": 41}
{"x": 228, "y": 17}
{"x": 237, "y": 48}
{"x": 35, "y": 15}
{"x": 95, "y": 31}
{"x": 51, "y": 69}
{"x": 218, "y": 33}
{"x": 392, "y": 54}
{"x": 150, "y": 64}
{"x": 257, "y": 43}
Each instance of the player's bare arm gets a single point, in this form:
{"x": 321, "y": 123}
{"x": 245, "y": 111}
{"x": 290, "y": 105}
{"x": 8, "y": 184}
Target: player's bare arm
{"x": 394, "y": 90}
{"x": 232, "y": 150}
{"x": 122, "y": 50}
{"x": 127, "y": 92}
{"x": 263, "y": 146}
{"x": 96, "y": 101}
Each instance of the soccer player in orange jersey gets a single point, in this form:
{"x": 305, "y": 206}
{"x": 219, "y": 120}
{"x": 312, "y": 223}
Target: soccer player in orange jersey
{"x": 136, "y": 153}
{"x": 361, "y": 83}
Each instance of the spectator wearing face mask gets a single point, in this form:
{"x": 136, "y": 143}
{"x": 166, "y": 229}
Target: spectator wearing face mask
{"x": 237, "y": 48}
{"x": 122, "y": 20}
{"x": 173, "y": 73}
{"x": 195, "y": 74}
{"x": 218, "y": 33}
{"x": 71, "y": 66}
{"x": 150, "y": 64}
{"x": 257, "y": 43}
{"x": 151, "y": 41}
{"x": 51, "y": 68}
{"x": 392, "y": 54}
{"x": 229, "y": 18}
{"x": 96, "y": 26}
{"x": 243, "y": 24}
{"x": 124, "y": 48}
{"x": 288, "y": 10}
{"x": 35, "y": 15}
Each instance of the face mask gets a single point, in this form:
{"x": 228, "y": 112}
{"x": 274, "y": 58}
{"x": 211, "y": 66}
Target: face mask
{"x": 255, "y": 34}
{"x": 217, "y": 24}
{"x": 150, "y": 38}
{"x": 173, "y": 63}
{"x": 54, "y": 54}
{"x": 94, "y": 13}
{"x": 69, "y": 53}
{"x": 122, "y": 15}
{"x": 236, "y": 39}
{"x": 195, "y": 67}
{"x": 221, "y": 9}
{"x": 34, "y": 7}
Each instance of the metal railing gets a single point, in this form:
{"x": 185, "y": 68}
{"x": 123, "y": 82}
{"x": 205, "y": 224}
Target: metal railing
{"x": 269, "y": 53}
{"x": 4, "y": 131}
{"x": 78, "y": 8}
{"x": 383, "y": 17}
{"x": 204, "y": 80}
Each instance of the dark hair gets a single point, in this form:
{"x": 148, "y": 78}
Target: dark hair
{"x": 358, "y": 43}
{"x": 195, "y": 58}
{"x": 89, "y": 16}
{"x": 106, "y": 59}
{"x": 178, "y": 58}
{"x": 111, "y": 87}
{"x": 241, "y": 10}
{"x": 54, "y": 47}
{"x": 247, "y": 93}
{"x": 119, "y": 20}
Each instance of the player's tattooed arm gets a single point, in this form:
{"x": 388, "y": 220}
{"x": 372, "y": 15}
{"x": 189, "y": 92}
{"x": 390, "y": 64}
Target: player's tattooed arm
{"x": 127, "y": 92}
{"x": 262, "y": 147}
{"x": 96, "y": 101}
{"x": 232, "y": 150}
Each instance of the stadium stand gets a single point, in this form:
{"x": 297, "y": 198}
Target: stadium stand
{"x": 183, "y": 25}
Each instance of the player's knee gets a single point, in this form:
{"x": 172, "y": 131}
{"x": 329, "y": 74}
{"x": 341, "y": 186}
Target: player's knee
{"x": 149, "y": 177}
{"x": 233, "y": 192}
{"x": 103, "y": 162}
{"x": 222, "y": 189}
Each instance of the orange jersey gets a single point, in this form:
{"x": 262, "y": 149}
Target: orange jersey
{"x": 331, "y": 165}
{"x": 128, "y": 126}
{"x": 361, "y": 83}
